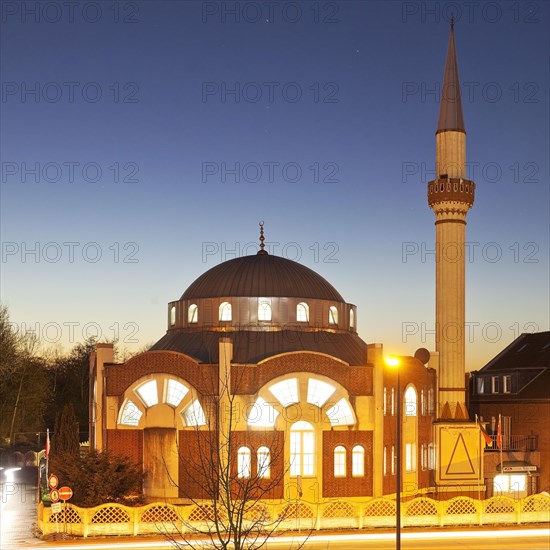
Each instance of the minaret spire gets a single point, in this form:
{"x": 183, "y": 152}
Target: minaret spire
{"x": 262, "y": 250}
{"x": 450, "y": 196}
{"x": 450, "y": 105}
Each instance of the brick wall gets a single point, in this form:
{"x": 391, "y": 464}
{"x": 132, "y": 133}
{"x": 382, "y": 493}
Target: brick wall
{"x": 127, "y": 443}
{"x": 249, "y": 379}
{"x": 346, "y": 486}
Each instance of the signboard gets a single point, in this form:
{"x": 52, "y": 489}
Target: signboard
{"x": 519, "y": 469}
{"x": 65, "y": 493}
{"x": 56, "y": 507}
{"x": 53, "y": 482}
{"x": 54, "y": 495}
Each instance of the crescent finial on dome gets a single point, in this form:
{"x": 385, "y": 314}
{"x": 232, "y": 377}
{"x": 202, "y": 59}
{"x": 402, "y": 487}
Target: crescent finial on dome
{"x": 262, "y": 250}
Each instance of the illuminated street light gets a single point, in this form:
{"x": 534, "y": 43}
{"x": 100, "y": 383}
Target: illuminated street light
{"x": 394, "y": 363}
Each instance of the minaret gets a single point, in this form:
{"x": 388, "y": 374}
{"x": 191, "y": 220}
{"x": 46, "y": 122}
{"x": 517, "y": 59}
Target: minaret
{"x": 450, "y": 196}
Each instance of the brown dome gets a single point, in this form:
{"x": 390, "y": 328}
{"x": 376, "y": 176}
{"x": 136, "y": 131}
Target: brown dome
{"x": 261, "y": 275}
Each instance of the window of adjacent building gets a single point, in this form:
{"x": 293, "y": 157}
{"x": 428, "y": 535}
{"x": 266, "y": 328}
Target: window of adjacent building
{"x": 494, "y": 384}
{"x": 318, "y": 392}
{"x": 225, "y": 311}
{"x": 302, "y": 449}
{"x": 243, "y": 462}
{"x": 385, "y": 460}
{"x": 194, "y": 415}
{"x": 507, "y": 384}
{"x": 384, "y": 401}
{"x": 392, "y": 402}
{"x": 351, "y": 318}
{"x": 193, "y": 314}
{"x": 341, "y": 414}
{"x": 264, "y": 462}
{"x": 392, "y": 459}
{"x": 332, "y": 315}
{"x": 148, "y": 393}
{"x": 172, "y": 316}
{"x": 302, "y": 312}
{"x": 410, "y": 401}
{"x": 175, "y": 392}
{"x": 262, "y": 414}
{"x": 130, "y": 414}
{"x": 422, "y": 403}
{"x": 358, "y": 461}
{"x": 340, "y": 461}
{"x": 424, "y": 456}
{"x": 286, "y": 391}
{"x": 505, "y": 483}
{"x": 480, "y": 385}
{"x": 431, "y": 456}
{"x": 264, "y": 309}
{"x": 410, "y": 457}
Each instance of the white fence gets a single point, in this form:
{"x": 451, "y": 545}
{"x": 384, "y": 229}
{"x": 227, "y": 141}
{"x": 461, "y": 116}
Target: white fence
{"x": 116, "y": 519}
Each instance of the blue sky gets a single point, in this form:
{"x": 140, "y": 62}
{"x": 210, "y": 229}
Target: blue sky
{"x": 123, "y": 125}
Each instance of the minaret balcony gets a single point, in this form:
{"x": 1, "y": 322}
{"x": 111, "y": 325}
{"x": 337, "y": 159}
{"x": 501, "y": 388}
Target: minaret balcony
{"x": 445, "y": 189}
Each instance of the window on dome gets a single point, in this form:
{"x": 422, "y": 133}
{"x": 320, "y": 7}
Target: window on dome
{"x": 302, "y": 312}
{"x": 243, "y": 462}
{"x": 341, "y": 414}
{"x": 225, "y": 311}
{"x": 148, "y": 393}
{"x": 172, "y": 316}
{"x": 175, "y": 392}
{"x": 340, "y": 461}
{"x": 286, "y": 391}
{"x": 302, "y": 449}
{"x": 130, "y": 414}
{"x": 262, "y": 414}
{"x": 194, "y": 415}
{"x": 410, "y": 401}
{"x": 193, "y": 314}
{"x": 358, "y": 461}
{"x": 264, "y": 462}
{"x": 264, "y": 309}
{"x": 332, "y": 315}
{"x": 318, "y": 392}
{"x": 351, "y": 318}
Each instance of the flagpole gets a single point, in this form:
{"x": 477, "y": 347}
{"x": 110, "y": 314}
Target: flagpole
{"x": 47, "y": 450}
{"x": 499, "y": 437}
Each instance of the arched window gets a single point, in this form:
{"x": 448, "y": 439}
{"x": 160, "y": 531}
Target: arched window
{"x": 302, "y": 312}
{"x": 194, "y": 415}
{"x": 410, "y": 401}
{"x": 341, "y": 414}
{"x": 262, "y": 414}
{"x": 332, "y": 315}
{"x": 339, "y": 461}
{"x": 351, "y": 318}
{"x": 264, "y": 309}
{"x": 264, "y": 462}
{"x": 410, "y": 457}
{"x": 193, "y": 314}
{"x": 424, "y": 456}
{"x": 318, "y": 392}
{"x": 392, "y": 460}
{"x": 225, "y": 311}
{"x": 302, "y": 449}
{"x": 358, "y": 461}
{"x": 130, "y": 414}
{"x": 172, "y": 316}
{"x": 174, "y": 392}
{"x": 148, "y": 393}
{"x": 385, "y": 401}
{"x": 422, "y": 403}
{"x": 385, "y": 460}
{"x": 431, "y": 406}
{"x": 392, "y": 404}
{"x": 243, "y": 462}
{"x": 431, "y": 457}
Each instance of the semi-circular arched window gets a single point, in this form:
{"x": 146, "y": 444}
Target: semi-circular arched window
{"x": 193, "y": 314}
{"x": 410, "y": 401}
{"x": 358, "y": 461}
{"x": 225, "y": 313}
{"x": 340, "y": 461}
{"x": 332, "y": 315}
{"x": 302, "y": 449}
{"x": 302, "y": 312}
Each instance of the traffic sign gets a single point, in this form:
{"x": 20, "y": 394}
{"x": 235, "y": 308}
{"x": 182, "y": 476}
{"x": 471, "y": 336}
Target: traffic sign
{"x": 65, "y": 493}
{"x": 56, "y": 507}
{"x": 53, "y": 482}
{"x": 54, "y": 495}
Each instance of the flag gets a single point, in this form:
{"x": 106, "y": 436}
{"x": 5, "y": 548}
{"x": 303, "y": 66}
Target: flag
{"x": 47, "y": 451}
{"x": 499, "y": 433}
{"x": 486, "y": 436}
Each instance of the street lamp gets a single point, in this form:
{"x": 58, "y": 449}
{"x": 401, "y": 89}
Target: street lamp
{"x": 394, "y": 363}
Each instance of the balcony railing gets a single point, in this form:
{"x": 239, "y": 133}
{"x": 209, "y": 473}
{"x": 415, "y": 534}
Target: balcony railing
{"x": 515, "y": 443}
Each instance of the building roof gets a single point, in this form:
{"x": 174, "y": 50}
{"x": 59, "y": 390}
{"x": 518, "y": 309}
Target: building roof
{"x": 261, "y": 275}
{"x": 450, "y": 105}
{"x": 250, "y": 347}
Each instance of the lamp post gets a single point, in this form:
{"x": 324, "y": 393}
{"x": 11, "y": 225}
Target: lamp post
{"x": 394, "y": 362}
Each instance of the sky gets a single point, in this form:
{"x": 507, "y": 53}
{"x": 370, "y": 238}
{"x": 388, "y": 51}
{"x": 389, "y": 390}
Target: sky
{"x": 143, "y": 142}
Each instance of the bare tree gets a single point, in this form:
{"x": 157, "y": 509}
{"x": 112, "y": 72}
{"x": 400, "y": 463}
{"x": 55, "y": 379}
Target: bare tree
{"x": 226, "y": 486}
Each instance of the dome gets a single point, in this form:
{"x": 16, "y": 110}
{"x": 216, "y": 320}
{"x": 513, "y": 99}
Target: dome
{"x": 261, "y": 275}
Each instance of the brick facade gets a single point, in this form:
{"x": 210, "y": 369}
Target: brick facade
{"x": 126, "y": 442}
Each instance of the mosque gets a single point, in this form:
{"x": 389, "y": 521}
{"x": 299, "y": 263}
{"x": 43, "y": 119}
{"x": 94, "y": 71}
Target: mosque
{"x": 312, "y": 407}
